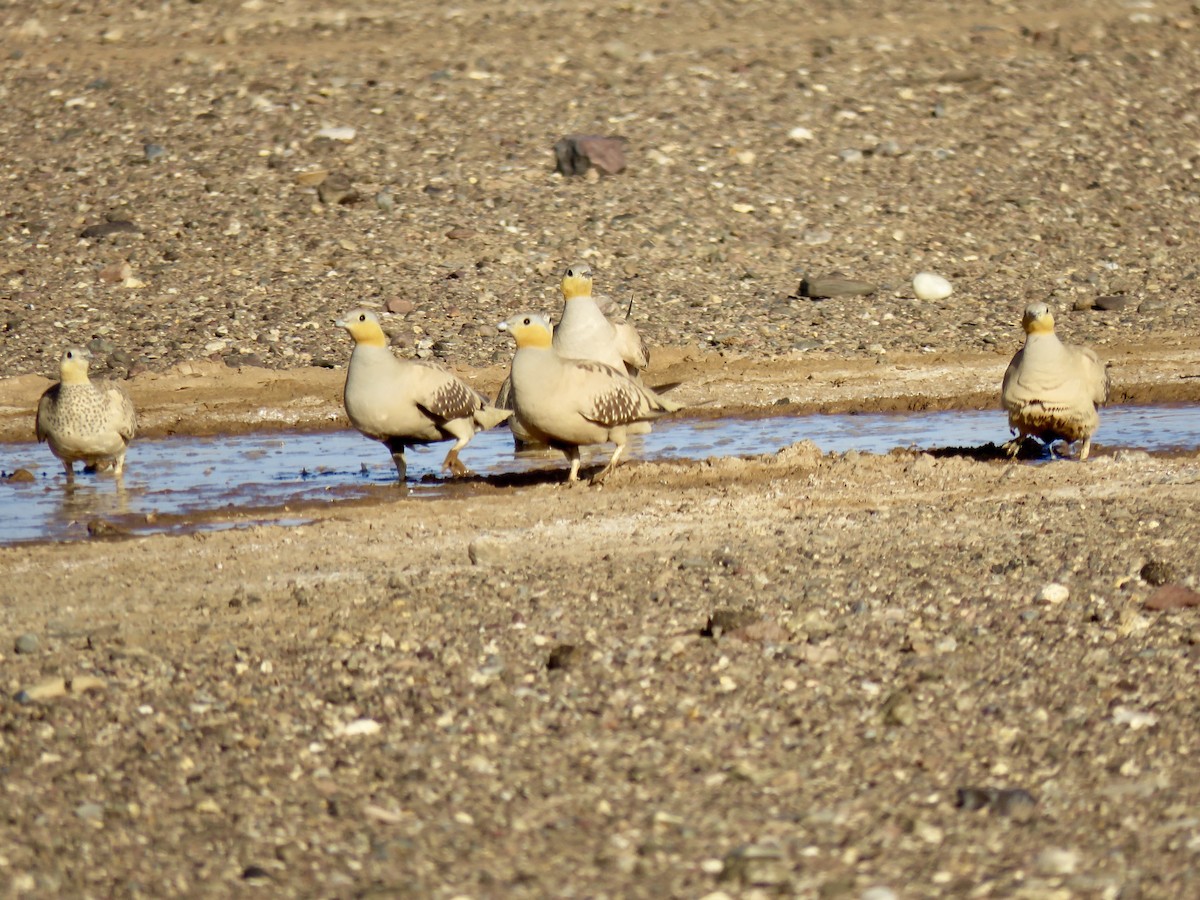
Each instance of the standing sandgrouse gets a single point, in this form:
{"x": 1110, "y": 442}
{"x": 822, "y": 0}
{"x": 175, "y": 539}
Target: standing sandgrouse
{"x": 568, "y": 403}
{"x": 405, "y": 403}
{"x": 1051, "y": 389}
{"x": 86, "y": 421}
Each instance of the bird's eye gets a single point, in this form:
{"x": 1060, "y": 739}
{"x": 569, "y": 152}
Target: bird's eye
{"x": 527, "y": 321}
{"x": 362, "y": 317}
{"x": 70, "y": 355}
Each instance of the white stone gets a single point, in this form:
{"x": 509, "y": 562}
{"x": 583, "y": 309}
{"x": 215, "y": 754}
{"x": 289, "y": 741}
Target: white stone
{"x": 1136, "y": 719}
{"x": 358, "y": 728}
{"x": 1054, "y": 593}
{"x": 1057, "y": 861}
{"x": 800, "y": 135}
{"x": 337, "y": 133}
{"x": 928, "y": 286}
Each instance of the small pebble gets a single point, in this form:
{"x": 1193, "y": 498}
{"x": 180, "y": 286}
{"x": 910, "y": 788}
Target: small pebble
{"x": 581, "y": 154}
{"x": 337, "y": 189}
{"x": 1112, "y": 302}
{"x": 47, "y": 689}
{"x": 898, "y": 709}
{"x": 928, "y": 286}
{"x": 834, "y": 285}
{"x": 1057, "y": 861}
{"x": 562, "y": 657}
{"x": 487, "y": 551}
{"x": 1054, "y": 593}
{"x": 92, "y": 812}
{"x": 722, "y": 621}
{"x": 154, "y": 151}
{"x": 1158, "y": 573}
{"x": 800, "y": 135}
{"x": 27, "y": 643}
{"x": 358, "y": 728}
{"x": 1172, "y": 596}
{"x": 343, "y": 133}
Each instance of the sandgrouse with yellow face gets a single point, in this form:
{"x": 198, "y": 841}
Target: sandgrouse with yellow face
{"x": 406, "y": 403}
{"x": 86, "y": 421}
{"x": 569, "y": 403}
{"x": 590, "y": 328}
{"x": 1051, "y": 389}
{"x": 586, "y": 332}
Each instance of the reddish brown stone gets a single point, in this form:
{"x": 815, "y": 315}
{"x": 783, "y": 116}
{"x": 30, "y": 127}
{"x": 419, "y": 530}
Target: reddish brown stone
{"x": 576, "y": 153}
{"x": 1172, "y": 596}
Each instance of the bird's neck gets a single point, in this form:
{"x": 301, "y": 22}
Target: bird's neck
{"x": 72, "y": 378}
{"x": 372, "y": 339}
{"x": 537, "y": 340}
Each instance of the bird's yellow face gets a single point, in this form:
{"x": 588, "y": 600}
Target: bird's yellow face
{"x": 528, "y": 329}
{"x": 577, "y": 282}
{"x": 1038, "y": 319}
{"x": 364, "y": 327}
{"x": 73, "y": 366}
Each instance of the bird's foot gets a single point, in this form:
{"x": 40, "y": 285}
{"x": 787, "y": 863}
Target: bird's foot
{"x": 455, "y": 465}
{"x": 598, "y": 478}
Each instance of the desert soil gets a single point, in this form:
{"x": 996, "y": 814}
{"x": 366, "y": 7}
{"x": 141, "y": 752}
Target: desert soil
{"x": 791, "y": 675}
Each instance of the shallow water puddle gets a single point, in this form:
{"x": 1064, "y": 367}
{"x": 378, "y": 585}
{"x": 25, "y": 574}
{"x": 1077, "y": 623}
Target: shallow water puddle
{"x": 178, "y": 483}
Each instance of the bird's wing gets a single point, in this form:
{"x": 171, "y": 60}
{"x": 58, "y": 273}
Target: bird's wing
{"x": 442, "y": 395}
{"x": 608, "y": 397}
{"x": 1095, "y": 375}
{"x": 632, "y": 348}
{"x": 119, "y": 400}
{"x": 41, "y": 427}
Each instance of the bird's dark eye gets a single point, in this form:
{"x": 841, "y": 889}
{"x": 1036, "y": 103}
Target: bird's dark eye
{"x": 527, "y": 321}
{"x": 362, "y": 317}
{"x": 70, "y": 355}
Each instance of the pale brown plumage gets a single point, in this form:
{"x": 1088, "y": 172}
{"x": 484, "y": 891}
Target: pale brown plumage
{"x": 85, "y": 421}
{"x": 568, "y": 403}
{"x": 405, "y": 403}
{"x": 1051, "y": 389}
{"x": 590, "y": 328}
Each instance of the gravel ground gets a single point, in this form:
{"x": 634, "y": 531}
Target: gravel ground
{"x": 1023, "y": 151}
{"x": 733, "y": 677}
{"x": 769, "y": 675}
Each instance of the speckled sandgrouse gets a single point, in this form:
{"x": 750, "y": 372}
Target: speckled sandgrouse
{"x": 86, "y": 421}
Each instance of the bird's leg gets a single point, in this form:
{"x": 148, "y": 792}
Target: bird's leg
{"x": 573, "y": 456}
{"x": 462, "y": 430}
{"x": 1085, "y": 449}
{"x": 453, "y": 463}
{"x": 69, "y": 468}
{"x": 396, "y": 448}
{"x": 599, "y": 477}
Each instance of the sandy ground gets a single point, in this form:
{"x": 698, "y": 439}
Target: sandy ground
{"x": 785, "y": 676}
